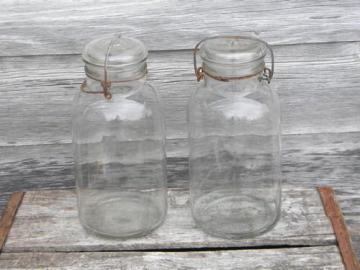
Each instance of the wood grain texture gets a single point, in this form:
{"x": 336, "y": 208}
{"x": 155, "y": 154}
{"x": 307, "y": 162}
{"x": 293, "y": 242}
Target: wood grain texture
{"x": 318, "y": 83}
{"x": 8, "y": 216}
{"x": 308, "y": 160}
{"x": 4, "y": 198}
{"x": 333, "y": 212}
{"x": 312, "y": 258}
{"x": 48, "y": 221}
{"x": 43, "y": 27}
{"x": 353, "y": 224}
{"x": 37, "y": 92}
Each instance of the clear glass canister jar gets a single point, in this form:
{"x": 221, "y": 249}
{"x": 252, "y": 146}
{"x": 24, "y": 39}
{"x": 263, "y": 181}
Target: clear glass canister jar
{"x": 234, "y": 135}
{"x": 119, "y": 138}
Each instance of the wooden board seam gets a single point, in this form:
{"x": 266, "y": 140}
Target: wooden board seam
{"x": 312, "y": 258}
{"x": 8, "y": 216}
{"x": 334, "y": 213}
{"x": 47, "y": 220}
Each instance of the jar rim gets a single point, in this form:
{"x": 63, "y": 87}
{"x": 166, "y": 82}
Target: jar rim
{"x": 112, "y": 66}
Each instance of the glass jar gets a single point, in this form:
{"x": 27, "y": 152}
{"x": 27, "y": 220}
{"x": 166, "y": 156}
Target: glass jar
{"x": 119, "y": 138}
{"x": 234, "y": 135}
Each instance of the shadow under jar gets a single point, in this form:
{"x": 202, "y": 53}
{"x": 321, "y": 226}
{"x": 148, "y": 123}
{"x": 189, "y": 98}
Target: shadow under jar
{"x": 234, "y": 135}
{"x": 118, "y": 137}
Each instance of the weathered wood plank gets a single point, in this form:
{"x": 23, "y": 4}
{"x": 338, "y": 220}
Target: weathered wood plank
{"x": 307, "y": 160}
{"x": 353, "y": 223}
{"x": 37, "y": 97}
{"x": 43, "y": 27}
{"x": 8, "y": 216}
{"x": 290, "y": 258}
{"x": 334, "y": 213}
{"x": 48, "y": 221}
{"x": 51, "y": 166}
{"x": 349, "y": 201}
{"x": 4, "y": 198}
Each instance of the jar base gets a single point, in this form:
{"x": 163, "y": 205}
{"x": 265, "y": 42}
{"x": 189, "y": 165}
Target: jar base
{"x": 235, "y": 216}
{"x": 121, "y": 236}
{"x": 127, "y": 215}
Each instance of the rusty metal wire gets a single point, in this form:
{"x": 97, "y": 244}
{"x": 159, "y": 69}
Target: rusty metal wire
{"x": 106, "y": 83}
{"x": 267, "y": 73}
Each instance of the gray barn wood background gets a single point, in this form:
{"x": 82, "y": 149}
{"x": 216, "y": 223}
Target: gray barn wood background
{"x": 317, "y": 50}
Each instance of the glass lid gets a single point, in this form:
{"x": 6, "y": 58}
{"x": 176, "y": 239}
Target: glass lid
{"x": 122, "y": 51}
{"x": 232, "y": 50}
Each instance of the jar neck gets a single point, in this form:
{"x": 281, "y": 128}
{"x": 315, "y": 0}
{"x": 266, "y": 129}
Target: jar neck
{"x": 117, "y": 73}
{"x": 122, "y": 79}
{"x": 235, "y": 70}
{"x": 116, "y": 88}
{"x": 235, "y": 86}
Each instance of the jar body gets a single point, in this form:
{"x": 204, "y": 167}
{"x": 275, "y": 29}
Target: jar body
{"x": 235, "y": 177}
{"x": 120, "y": 163}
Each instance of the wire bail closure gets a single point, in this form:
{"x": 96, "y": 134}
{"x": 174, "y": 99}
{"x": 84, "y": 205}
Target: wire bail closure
{"x": 106, "y": 84}
{"x": 267, "y": 74}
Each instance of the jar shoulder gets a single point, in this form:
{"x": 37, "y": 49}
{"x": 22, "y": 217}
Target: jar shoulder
{"x": 261, "y": 99}
{"x": 140, "y": 102}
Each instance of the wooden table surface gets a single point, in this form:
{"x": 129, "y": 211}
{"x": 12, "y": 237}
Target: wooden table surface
{"x": 317, "y": 53}
{"x": 47, "y": 233}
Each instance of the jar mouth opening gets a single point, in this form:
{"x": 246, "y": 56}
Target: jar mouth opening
{"x": 114, "y": 66}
